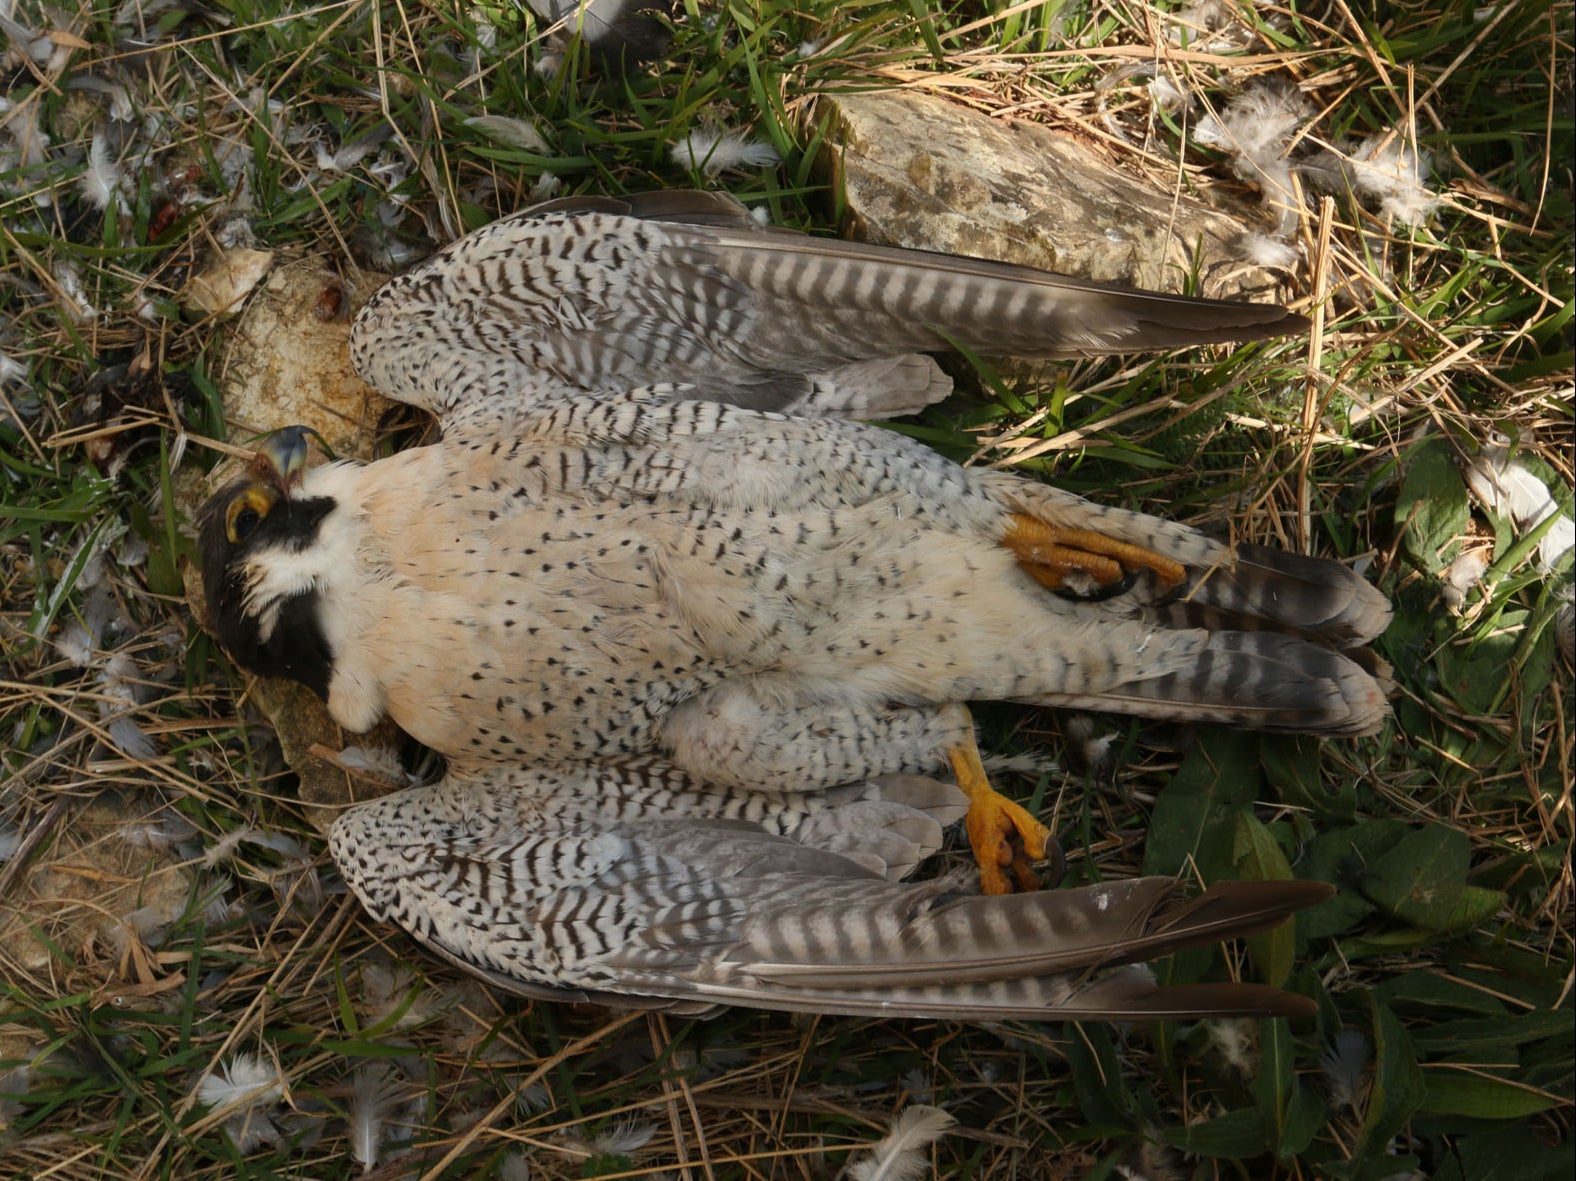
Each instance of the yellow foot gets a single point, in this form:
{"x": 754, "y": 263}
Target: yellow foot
{"x": 1050, "y": 553}
{"x": 1002, "y": 835}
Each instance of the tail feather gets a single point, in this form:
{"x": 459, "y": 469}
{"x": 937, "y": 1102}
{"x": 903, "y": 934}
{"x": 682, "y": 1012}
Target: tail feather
{"x": 1260, "y": 680}
{"x": 1260, "y": 587}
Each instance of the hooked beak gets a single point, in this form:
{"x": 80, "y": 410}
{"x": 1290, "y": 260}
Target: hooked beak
{"x": 282, "y": 457}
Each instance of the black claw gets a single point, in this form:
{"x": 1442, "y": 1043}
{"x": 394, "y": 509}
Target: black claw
{"x": 1102, "y": 593}
{"x": 1055, "y": 864}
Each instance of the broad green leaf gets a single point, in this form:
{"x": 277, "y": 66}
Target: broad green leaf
{"x": 1097, "y": 1076}
{"x": 1343, "y": 858}
{"x": 1274, "y": 1086}
{"x": 1291, "y": 765}
{"x": 1398, "y": 1088}
{"x": 1236, "y": 1135}
{"x": 1433, "y": 510}
{"x": 1430, "y": 990}
{"x": 1476, "y": 905}
{"x": 1303, "y": 1121}
{"x": 1195, "y": 816}
{"x": 1505, "y": 1158}
{"x": 1260, "y": 859}
{"x": 1420, "y": 880}
{"x": 1501, "y": 1034}
{"x": 1458, "y": 1092}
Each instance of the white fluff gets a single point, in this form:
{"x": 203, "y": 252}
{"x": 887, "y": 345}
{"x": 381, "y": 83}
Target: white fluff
{"x": 717, "y": 149}
{"x": 1462, "y": 575}
{"x": 1256, "y": 130}
{"x": 245, "y": 1081}
{"x": 1395, "y": 171}
{"x": 623, "y": 1138}
{"x": 1505, "y": 487}
{"x": 901, "y": 1155}
{"x": 1343, "y": 1065}
{"x": 371, "y": 1097}
{"x": 1264, "y": 251}
{"x": 547, "y": 186}
{"x": 378, "y": 762}
{"x": 10, "y": 842}
{"x": 12, "y": 371}
{"x": 102, "y": 180}
{"x": 1234, "y": 1042}
{"x": 75, "y": 645}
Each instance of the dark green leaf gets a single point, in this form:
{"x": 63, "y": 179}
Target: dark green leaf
{"x": 1502, "y": 1034}
{"x": 1236, "y": 1135}
{"x": 1433, "y": 510}
{"x": 1398, "y": 1088}
{"x": 1420, "y": 880}
{"x": 1458, "y": 1092}
{"x": 1274, "y": 1085}
{"x": 1195, "y": 816}
{"x": 1260, "y": 859}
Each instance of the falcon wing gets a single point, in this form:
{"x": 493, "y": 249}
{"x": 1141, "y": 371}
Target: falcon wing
{"x": 598, "y": 294}
{"x": 692, "y": 912}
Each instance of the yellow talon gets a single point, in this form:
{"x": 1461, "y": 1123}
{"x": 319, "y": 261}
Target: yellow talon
{"x": 1049, "y": 553}
{"x": 1002, "y": 834}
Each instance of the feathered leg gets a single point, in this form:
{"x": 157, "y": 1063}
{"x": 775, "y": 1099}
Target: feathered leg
{"x": 738, "y": 735}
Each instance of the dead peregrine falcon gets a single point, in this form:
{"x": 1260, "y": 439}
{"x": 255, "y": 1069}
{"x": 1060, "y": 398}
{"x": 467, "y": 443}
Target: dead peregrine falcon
{"x": 647, "y": 531}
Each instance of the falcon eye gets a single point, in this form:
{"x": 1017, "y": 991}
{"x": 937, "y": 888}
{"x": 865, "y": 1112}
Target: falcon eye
{"x": 246, "y": 512}
{"x": 245, "y": 521}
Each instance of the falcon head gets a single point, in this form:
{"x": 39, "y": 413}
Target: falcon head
{"x": 257, "y": 536}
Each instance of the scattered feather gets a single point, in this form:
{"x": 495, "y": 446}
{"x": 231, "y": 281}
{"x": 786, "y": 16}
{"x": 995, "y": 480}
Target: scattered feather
{"x": 717, "y": 149}
{"x": 516, "y": 133}
{"x": 546, "y": 187}
{"x": 76, "y": 645}
{"x": 381, "y": 763}
{"x": 515, "y": 1167}
{"x": 372, "y": 1097}
{"x": 1166, "y": 94}
{"x": 147, "y": 924}
{"x": 1395, "y": 171}
{"x": 1508, "y": 489}
{"x": 1343, "y": 1066}
{"x": 623, "y": 1138}
{"x": 352, "y": 152}
{"x": 10, "y": 842}
{"x": 12, "y": 371}
{"x": 120, "y": 108}
{"x": 227, "y": 845}
{"x": 251, "y": 1129}
{"x": 13, "y": 1083}
{"x": 245, "y": 1081}
{"x": 1462, "y": 575}
{"x": 1264, "y": 251}
{"x": 1256, "y": 130}
{"x": 901, "y": 1155}
{"x": 103, "y": 183}
{"x": 68, "y": 278}
{"x": 620, "y": 1138}
{"x": 230, "y": 276}
{"x": 1234, "y": 1042}
{"x": 388, "y": 988}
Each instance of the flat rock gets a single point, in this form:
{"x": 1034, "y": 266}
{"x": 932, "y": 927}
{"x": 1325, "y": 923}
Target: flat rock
{"x": 921, "y": 171}
{"x": 288, "y": 363}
